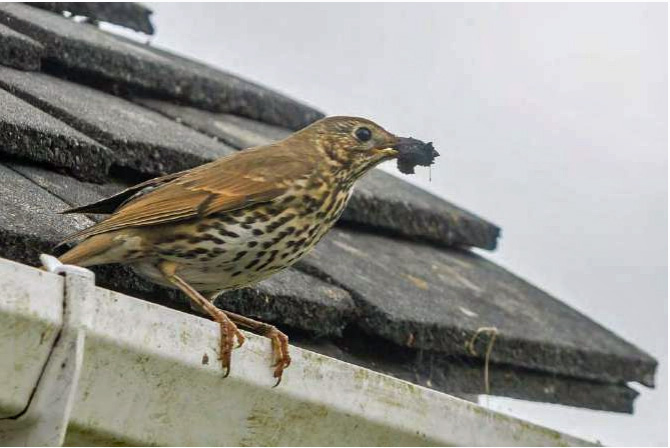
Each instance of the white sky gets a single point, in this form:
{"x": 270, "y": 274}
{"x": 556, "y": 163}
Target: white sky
{"x": 551, "y": 120}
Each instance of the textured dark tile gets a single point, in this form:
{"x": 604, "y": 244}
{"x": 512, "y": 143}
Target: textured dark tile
{"x": 28, "y": 133}
{"x": 465, "y": 377}
{"x": 142, "y": 140}
{"x": 30, "y": 225}
{"x": 111, "y": 62}
{"x": 380, "y": 200}
{"x": 130, "y": 15}
{"x": 19, "y": 51}
{"x": 435, "y": 299}
{"x": 68, "y": 189}
{"x": 27, "y": 225}
{"x": 295, "y": 299}
{"x": 385, "y": 201}
{"x": 291, "y": 298}
{"x": 237, "y": 131}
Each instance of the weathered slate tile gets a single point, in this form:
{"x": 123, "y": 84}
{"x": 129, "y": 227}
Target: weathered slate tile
{"x": 238, "y": 132}
{"x": 142, "y": 140}
{"x": 295, "y": 299}
{"x": 435, "y": 299}
{"x": 67, "y": 189}
{"x": 291, "y": 298}
{"x": 19, "y": 51}
{"x": 130, "y": 15}
{"x": 27, "y": 225}
{"x": 380, "y": 200}
{"x": 30, "y": 225}
{"x": 30, "y": 134}
{"x": 385, "y": 201}
{"x": 111, "y": 62}
{"x": 465, "y": 377}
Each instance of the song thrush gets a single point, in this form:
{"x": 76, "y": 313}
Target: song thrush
{"x": 237, "y": 220}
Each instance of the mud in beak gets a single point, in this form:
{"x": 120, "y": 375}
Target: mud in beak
{"x": 412, "y": 152}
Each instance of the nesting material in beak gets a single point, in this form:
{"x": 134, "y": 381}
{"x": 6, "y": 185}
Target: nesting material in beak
{"x": 413, "y": 152}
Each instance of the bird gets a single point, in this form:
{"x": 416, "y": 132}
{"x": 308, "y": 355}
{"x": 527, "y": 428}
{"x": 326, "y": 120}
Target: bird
{"x": 237, "y": 220}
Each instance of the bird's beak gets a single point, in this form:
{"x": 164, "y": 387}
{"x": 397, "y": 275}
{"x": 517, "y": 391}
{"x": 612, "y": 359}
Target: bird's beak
{"x": 393, "y": 149}
{"x": 410, "y": 149}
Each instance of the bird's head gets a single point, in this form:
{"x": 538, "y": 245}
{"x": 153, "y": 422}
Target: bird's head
{"x": 353, "y": 145}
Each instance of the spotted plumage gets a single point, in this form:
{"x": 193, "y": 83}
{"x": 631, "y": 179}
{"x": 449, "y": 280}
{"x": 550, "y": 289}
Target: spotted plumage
{"x": 237, "y": 220}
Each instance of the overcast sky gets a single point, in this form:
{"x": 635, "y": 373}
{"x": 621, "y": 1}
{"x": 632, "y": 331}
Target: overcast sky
{"x": 551, "y": 120}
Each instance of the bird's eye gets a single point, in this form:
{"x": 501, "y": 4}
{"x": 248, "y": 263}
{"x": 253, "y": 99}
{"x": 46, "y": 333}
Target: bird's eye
{"x": 363, "y": 134}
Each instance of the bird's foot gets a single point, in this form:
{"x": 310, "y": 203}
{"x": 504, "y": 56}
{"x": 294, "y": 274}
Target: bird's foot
{"x": 280, "y": 351}
{"x": 279, "y": 340}
{"x": 229, "y": 332}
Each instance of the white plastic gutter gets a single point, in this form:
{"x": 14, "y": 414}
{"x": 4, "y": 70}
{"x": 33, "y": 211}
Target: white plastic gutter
{"x": 81, "y": 365}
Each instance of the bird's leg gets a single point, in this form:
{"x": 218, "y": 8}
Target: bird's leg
{"x": 279, "y": 340}
{"x": 228, "y": 328}
{"x": 197, "y": 308}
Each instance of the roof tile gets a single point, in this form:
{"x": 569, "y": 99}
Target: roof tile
{"x": 388, "y": 202}
{"x": 28, "y": 133}
{"x": 26, "y": 227}
{"x": 141, "y": 139}
{"x": 238, "y": 132}
{"x": 462, "y": 376}
{"x": 110, "y": 61}
{"x": 130, "y": 15}
{"x": 295, "y": 299}
{"x": 19, "y": 51}
{"x": 436, "y": 299}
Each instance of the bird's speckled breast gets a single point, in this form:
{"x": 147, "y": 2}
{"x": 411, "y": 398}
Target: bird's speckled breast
{"x": 237, "y": 248}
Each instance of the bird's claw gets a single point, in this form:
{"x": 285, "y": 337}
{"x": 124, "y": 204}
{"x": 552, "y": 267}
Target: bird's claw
{"x": 280, "y": 350}
{"x": 229, "y": 332}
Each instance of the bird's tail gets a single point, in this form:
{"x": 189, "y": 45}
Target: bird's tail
{"x": 91, "y": 251}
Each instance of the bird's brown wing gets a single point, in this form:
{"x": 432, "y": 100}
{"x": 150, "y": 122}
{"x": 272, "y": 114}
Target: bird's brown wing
{"x": 245, "y": 178}
{"x": 112, "y": 203}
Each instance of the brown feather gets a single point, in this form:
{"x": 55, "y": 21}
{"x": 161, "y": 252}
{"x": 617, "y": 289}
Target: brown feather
{"x": 89, "y": 249}
{"x": 248, "y": 177}
{"x": 111, "y": 204}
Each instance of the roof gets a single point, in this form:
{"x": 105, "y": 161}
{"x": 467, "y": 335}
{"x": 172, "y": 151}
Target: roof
{"x": 395, "y": 287}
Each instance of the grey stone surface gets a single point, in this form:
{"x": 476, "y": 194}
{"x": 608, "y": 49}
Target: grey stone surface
{"x": 238, "y": 132}
{"x": 30, "y": 225}
{"x": 28, "y": 133}
{"x": 141, "y": 139}
{"x": 112, "y": 62}
{"x": 66, "y": 188}
{"x": 380, "y": 200}
{"x": 27, "y": 227}
{"x": 464, "y": 377}
{"x": 385, "y": 201}
{"x": 435, "y": 299}
{"x": 291, "y": 298}
{"x": 130, "y": 15}
{"x": 19, "y": 51}
{"x": 294, "y": 299}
